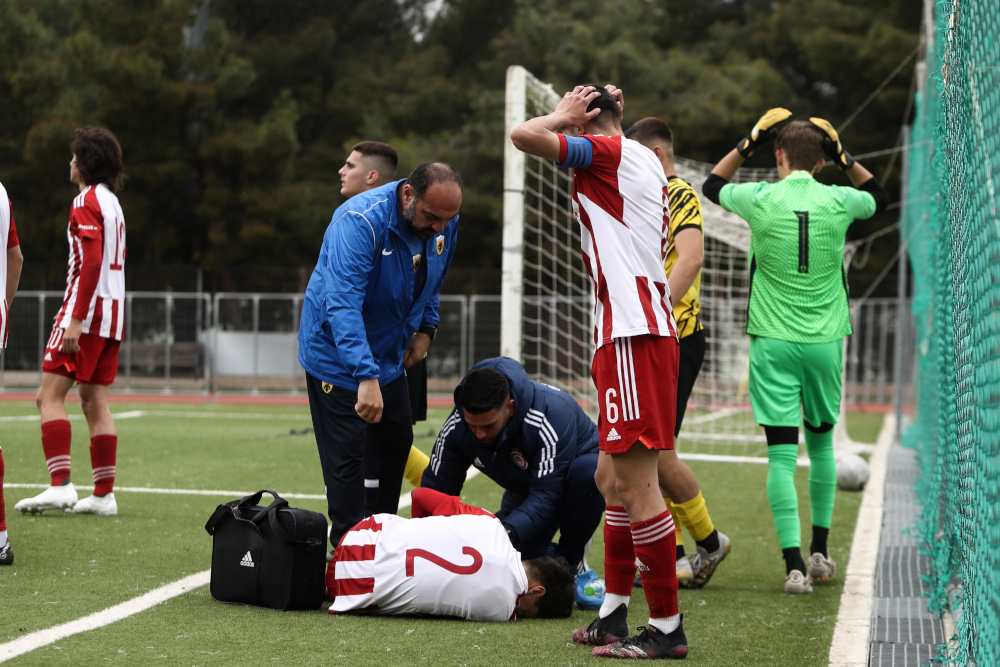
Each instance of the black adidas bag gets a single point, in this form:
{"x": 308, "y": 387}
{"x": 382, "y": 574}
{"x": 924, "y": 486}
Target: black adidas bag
{"x": 272, "y": 556}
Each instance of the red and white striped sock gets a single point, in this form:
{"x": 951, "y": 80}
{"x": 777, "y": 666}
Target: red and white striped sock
{"x": 655, "y": 551}
{"x": 103, "y": 452}
{"x": 619, "y": 556}
{"x": 56, "y": 438}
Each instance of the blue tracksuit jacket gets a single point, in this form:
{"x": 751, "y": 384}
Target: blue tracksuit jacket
{"x": 359, "y": 313}
{"x": 531, "y": 458}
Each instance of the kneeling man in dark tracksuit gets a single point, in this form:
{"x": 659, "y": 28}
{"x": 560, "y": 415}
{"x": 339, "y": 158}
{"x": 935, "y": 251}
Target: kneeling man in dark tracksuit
{"x": 539, "y": 445}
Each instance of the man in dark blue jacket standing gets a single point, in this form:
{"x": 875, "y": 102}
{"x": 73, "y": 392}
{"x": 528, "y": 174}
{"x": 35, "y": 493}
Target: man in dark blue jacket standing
{"x": 539, "y": 445}
{"x": 371, "y": 310}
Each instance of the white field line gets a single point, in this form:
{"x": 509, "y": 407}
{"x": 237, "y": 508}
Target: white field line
{"x": 852, "y": 633}
{"x": 99, "y": 619}
{"x": 133, "y": 414}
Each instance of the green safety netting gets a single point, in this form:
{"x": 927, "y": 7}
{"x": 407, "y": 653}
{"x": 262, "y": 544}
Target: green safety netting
{"x": 951, "y": 225}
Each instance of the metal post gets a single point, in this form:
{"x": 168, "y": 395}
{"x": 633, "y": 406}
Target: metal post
{"x": 205, "y": 301}
{"x": 902, "y": 314}
{"x": 256, "y": 340}
{"x": 216, "y": 309}
{"x": 41, "y": 335}
{"x": 169, "y": 337}
{"x": 128, "y": 341}
{"x": 296, "y": 315}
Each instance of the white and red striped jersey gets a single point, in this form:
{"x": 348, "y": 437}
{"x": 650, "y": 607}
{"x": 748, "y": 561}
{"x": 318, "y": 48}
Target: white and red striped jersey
{"x": 8, "y": 239}
{"x": 96, "y": 215}
{"x": 461, "y": 566}
{"x": 620, "y": 200}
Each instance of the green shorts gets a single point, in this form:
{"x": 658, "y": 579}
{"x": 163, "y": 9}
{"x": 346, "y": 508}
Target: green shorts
{"x": 792, "y": 382}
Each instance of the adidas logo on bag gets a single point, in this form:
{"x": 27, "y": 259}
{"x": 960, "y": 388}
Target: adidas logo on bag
{"x": 247, "y": 560}
{"x": 613, "y": 435}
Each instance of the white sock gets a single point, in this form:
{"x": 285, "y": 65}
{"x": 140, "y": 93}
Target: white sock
{"x": 666, "y": 625}
{"x": 3, "y": 538}
{"x": 612, "y": 602}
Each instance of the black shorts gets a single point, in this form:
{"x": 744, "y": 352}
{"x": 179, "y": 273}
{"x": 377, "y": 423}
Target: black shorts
{"x": 692, "y": 356}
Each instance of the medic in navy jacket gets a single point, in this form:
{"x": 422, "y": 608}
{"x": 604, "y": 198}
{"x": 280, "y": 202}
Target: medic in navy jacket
{"x": 359, "y": 311}
{"x": 545, "y": 459}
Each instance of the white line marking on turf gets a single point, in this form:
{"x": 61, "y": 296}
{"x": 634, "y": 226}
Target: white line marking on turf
{"x": 404, "y": 499}
{"x": 99, "y": 619}
{"x": 132, "y": 414}
{"x": 852, "y": 633}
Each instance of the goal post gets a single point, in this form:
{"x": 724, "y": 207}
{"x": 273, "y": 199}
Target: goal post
{"x": 547, "y": 303}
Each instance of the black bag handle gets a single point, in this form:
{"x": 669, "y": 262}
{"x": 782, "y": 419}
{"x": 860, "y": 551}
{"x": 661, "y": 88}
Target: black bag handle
{"x": 255, "y": 499}
{"x": 285, "y": 537}
{"x": 231, "y": 508}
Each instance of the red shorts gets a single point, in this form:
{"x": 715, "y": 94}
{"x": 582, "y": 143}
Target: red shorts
{"x": 636, "y": 380}
{"x": 95, "y": 363}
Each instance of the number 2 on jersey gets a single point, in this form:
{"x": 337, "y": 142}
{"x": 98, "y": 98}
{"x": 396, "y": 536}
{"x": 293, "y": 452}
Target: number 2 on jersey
{"x": 803, "y": 217}
{"x": 413, "y": 554}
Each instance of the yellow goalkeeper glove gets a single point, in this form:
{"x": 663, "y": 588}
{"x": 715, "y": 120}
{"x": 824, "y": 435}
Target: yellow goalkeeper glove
{"x": 832, "y": 146}
{"x": 763, "y": 132}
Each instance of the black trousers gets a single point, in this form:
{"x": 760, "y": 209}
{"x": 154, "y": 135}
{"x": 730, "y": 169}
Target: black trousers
{"x": 356, "y": 455}
{"x": 691, "y": 358}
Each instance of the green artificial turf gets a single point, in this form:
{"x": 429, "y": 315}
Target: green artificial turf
{"x": 69, "y": 566}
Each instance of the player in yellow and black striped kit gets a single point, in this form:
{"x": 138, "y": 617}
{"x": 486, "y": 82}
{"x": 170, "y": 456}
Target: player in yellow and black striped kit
{"x": 683, "y": 268}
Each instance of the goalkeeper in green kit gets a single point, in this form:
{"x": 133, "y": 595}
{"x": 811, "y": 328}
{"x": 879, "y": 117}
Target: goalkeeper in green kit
{"x": 798, "y": 314}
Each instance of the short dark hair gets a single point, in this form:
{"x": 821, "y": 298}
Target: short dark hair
{"x": 427, "y": 174}
{"x": 559, "y": 580}
{"x": 803, "y": 144}
{"x": 98, "y": 157}
{"x": 608, "y": 104}
{"x": 483, "y": 389}
{"x": 385, "y": 157}
{"x": 649, "y": 130}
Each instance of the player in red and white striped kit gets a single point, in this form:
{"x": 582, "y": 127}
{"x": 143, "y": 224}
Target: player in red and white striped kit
{"x": 620, "y": 199}
{"x": 450, "y": 559}
{"x": 10, "y": 274}
{"x": 83, "y": 347}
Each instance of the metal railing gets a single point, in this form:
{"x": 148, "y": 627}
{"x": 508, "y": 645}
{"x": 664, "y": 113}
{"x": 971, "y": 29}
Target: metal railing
{"x": 201, "y": 343}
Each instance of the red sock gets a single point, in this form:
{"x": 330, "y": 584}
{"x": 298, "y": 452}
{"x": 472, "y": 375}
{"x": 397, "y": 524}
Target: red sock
{"x": 655, "y": 554}
{"x": 56, "y": 436}
{"x": 3, "y": 507}
{"x": 103, "y": 450}
{"x": 619, "y": 555}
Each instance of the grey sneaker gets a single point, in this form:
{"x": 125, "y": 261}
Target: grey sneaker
{"x": 797, "y": 583}
{"x": 821, "y": 567}
{"x": 703, "y": 564}
{"x": 52, "y": 498}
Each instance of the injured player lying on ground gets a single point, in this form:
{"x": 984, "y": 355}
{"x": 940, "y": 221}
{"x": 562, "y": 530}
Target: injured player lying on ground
{"x": 450, "y": 559}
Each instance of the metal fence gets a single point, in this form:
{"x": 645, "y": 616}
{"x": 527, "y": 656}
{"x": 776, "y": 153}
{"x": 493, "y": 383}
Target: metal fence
{"x": 195, "y": 342}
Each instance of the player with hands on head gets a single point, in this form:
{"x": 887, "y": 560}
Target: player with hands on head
{"x": 370, "y": 310}
{"x": 88, "y": 330}
{"x": 11, "y": 261}
{"x": 797, "y": 317}
{"x": 450, "y": 559}
{"x": 685, "y": 254}
{"x": 620, "y": 201}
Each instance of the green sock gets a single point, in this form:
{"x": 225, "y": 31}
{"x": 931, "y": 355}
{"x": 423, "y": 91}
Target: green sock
{"x": 781, "y": 494}
{"x": 822, "y": 476}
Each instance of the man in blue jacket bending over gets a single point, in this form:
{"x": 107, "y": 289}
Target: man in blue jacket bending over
{"x": 539, "y": 445}
{"x": 371, "y": 310}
